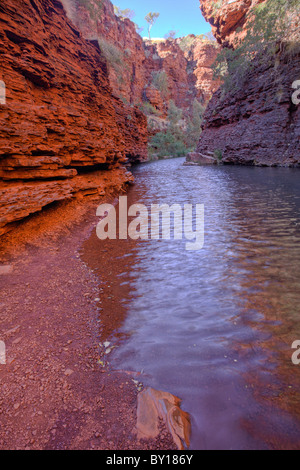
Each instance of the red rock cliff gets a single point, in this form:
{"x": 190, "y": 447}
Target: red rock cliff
{"x": 62, "y": 131}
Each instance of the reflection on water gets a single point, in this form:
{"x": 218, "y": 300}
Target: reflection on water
{"x": 214, "y": 327}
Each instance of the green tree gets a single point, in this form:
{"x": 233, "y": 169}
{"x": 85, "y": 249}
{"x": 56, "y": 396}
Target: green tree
{"x": 126, "y": 13}
{"x": 151, "y": 18}
{"x": 160, "y": 82}
{"x": 174, "y": 114}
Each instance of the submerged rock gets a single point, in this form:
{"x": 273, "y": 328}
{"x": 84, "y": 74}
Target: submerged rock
{"x": 200, "y": 159}
{"x": 154, "y": 405}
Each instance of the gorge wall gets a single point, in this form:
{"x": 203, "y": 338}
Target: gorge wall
{"x": 79, "y": 84}
{"x": 257, "y": 123}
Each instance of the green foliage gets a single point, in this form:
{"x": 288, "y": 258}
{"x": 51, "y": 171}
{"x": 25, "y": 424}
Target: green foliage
{"x": 269, "y": 23}
{"x": 113, "y": 54}
{"x": 188, "y": 42}
{"x": 93, "y": 7}
{"x": 181, "y": 135}
{"x": 194, "y": 123}
{"x": 167, "y": 144}
{"x": 174, "y": 114}
{"x": 114, "y": 57}
{"x": 218, "y": 154}
{"x": 216, "y": 6}
{"x": 124, "y": 100}
{"x": 160, "y": 82}
{"x": 171, "y": 34}
{"x": 170, "y": 142}
{"x": 147, "y": 108}
{"x": 151, "y": 18}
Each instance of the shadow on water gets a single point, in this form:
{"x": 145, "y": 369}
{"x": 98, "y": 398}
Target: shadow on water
{"x": 213, "y": 327}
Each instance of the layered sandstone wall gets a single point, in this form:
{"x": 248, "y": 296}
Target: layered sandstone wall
{"x": 62, "y": 131}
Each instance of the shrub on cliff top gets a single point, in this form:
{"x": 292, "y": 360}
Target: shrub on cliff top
{"x": 123, "y": 14}
{"x": 171, "y": 34}
{"x": 188, "y": 42}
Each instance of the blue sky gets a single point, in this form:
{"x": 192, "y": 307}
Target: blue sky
{"x": 182, "y": 16}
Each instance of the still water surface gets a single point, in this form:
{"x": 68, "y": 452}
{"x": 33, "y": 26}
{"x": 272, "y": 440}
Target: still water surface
{"x": 213, "y": 327}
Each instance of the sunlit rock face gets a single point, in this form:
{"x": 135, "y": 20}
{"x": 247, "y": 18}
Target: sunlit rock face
{"x": 76, "y": 77}
{"x": 63, "y": 132}
{"x": 257, "y": 123}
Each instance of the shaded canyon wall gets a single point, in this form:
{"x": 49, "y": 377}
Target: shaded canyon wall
{"x": 132, "y": 60}
{"x": 258, "y": 123}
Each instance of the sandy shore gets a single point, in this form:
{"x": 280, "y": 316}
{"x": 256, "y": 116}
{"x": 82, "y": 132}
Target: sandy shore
{"x": 54, "y": 391}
